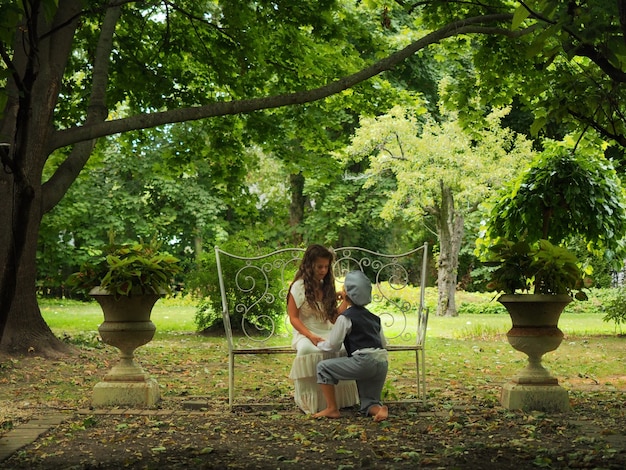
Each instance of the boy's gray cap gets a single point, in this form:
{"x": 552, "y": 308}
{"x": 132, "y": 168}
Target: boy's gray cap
{"x": 358, "y": 287}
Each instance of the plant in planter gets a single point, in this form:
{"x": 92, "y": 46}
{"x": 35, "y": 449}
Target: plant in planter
{"x": 127, "y": 281}
{"x": 129, "y": 269}
{"x": 537, "y": 268}
{"x": 563, "y": 195}
{"x": 538, "y": 280}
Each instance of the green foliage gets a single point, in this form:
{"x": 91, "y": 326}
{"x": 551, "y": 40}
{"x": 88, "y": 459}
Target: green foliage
{"x": 477, "y": 330}
{"x": 347, "y": 214}
{"x": 564, "y": 194}
{"x": 389, "y": 392}
{"x": 190, "y": 184}
{"x": 480, "y": 308}
{"x": 422, "y": 165}
{"x": 563, "y": 197}
{"x": 568, "y": 56}
{"x": 204, "y": 282}
{"x": 421, "y": 155}
{"x": 84, "y": 339}
{"x": 539, "y": 267}
{"x": 126, "y": 270}
{"x": 598, "y": 265}
{"x": 615, "y": 308}
{"x": 206, "y": 317}
{"x": 171, "y": 189}
{"x": 471, "y": 272}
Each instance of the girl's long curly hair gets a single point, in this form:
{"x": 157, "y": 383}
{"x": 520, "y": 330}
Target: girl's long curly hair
{"x": 306, "y": 272}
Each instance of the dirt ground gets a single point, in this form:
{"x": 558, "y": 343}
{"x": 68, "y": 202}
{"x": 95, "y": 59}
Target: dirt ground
{"x": 461, "y": 426}
{"x": 457, "y": 434}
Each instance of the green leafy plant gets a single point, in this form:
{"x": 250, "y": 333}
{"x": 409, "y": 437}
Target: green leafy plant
{"x": 615, "y": 309}
{"x": 570, "y": 191}
{"x": 565, "y": 193}
{"x": 204, "y": 282}
{"x": 539, "y": 268}
{"x": 206, "y": 316}
{"x": 127, "y": 269}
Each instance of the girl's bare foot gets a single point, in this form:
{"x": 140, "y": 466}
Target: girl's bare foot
{"x": 328, "y": 413}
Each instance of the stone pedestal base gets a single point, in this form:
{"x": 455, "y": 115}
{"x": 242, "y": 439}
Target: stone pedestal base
{"x": 551, "y": 398}
{"x": 116, "y": 393}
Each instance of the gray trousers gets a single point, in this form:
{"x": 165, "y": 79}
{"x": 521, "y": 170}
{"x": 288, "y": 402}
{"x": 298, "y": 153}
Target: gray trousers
{"x": 370, "y": 375}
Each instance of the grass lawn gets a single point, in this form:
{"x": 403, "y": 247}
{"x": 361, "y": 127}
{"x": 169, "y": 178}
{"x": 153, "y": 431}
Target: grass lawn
{"x": 469, "y": 352}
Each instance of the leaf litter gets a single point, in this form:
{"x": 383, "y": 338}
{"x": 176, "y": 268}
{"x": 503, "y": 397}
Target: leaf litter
{"x": 461, "y": 426}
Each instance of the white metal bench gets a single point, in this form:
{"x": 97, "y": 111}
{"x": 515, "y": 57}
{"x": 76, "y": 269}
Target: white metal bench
{"x": 250, "y": 286}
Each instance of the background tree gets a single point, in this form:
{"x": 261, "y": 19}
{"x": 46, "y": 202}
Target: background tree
{"x": 65, "y": 67}
{"x": 66, "y": 73}
{"x": 439, "y": 170}
{"x": 161, "y": 185}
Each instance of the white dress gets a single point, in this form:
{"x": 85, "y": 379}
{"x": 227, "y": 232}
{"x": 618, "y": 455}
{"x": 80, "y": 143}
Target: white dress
{"x": 308, "y": 395}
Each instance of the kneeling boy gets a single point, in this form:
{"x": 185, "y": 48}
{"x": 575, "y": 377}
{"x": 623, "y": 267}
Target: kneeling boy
{"x": 361, "y": 333}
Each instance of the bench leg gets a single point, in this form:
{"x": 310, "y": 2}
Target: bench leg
{"x": 417, "y": 373}
{"x": 421, "y": 371}
{"x": 231, "y": 380}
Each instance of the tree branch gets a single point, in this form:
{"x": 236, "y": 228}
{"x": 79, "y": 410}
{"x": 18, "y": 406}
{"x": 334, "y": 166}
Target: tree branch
{"x": 56, "y": 187}
{"x": 619, "y": 138}
{"x": 87, "y": 132}
{"x": 621, "y": 9}
{"x": 589, "y": 51}
{"x": 9, "y": 64}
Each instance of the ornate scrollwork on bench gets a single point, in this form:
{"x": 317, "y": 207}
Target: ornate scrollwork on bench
{"x": 254, "y": 291}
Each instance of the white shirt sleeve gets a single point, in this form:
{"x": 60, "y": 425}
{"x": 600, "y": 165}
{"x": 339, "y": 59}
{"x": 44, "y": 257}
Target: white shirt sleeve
{"x": 297, "y": 292}
{"x": 341, "y": 328}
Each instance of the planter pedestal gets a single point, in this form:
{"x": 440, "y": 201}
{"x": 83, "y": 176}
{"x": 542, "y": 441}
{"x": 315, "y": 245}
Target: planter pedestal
{"x": 534, "y": 332}
{"x": 126, "y": 326}
{"x": 548, "y": 398}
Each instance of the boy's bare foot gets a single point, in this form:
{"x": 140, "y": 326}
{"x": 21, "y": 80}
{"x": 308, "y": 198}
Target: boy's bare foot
{"x": 379, "y": 413}
{"x": 327, "y": 413}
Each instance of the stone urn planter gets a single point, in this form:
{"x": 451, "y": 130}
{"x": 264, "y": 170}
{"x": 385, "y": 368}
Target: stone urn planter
{"x": 126, "y": 326}
{"x": 127, "y": 280}
{"x": 535, "y": 332}
{"x": 538, "y": 280}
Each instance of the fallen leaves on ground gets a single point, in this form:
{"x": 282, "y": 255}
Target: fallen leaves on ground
{"x": 462, "y": 425}
{"x": 458, "y": 435}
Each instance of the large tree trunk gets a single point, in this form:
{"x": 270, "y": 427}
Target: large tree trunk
{"x": 26, "y": 126}
{"x": 25, "y": 330}
{"x": 450, "y": 228}
{"x": 21, "y": 209}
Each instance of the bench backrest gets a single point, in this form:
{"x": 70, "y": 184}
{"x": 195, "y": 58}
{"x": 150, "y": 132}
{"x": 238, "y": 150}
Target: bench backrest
{"x": 254, "y": 291}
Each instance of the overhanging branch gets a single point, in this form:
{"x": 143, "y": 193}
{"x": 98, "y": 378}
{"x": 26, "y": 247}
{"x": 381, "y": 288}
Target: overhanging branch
{"x": 74, "y": 135}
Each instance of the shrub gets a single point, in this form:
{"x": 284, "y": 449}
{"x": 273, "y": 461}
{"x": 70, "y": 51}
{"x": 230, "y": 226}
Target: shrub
{"x": 204, "y": 283}
{"x": 615, "y": 308}
{"x": 480, "y": 308}
{"x": 206, "y": 316}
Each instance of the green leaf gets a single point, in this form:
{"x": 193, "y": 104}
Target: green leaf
{"x": 520, "y": 14}
{"x": 537, "y": 125}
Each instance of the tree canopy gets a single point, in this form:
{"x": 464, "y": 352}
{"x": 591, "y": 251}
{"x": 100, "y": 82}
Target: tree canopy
{"x": 75, "y": 71}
